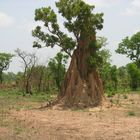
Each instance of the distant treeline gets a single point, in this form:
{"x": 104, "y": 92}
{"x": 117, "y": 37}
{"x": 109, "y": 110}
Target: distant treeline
{"x": 48, "y": 79}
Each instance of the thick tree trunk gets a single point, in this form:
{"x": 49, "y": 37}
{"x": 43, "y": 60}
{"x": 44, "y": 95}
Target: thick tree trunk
{"x": 82, "y": 86}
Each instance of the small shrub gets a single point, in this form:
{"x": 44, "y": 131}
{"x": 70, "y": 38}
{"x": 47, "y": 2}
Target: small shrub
{"x": 125, "y": 96}
{"x": 18, "y": 130}
{"x": 111, "y": 101}
{"x": 110, "y": 94}
{"x": 131, "y": 113}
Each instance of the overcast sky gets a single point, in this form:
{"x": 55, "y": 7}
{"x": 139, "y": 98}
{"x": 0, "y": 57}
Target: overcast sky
{"x": 121, "y": 19}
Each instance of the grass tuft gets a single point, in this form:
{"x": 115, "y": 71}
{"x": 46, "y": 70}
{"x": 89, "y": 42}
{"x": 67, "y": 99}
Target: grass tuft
{"x": 131, "y": 113}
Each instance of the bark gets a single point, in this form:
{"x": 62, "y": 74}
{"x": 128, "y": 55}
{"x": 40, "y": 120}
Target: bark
{"x": 28, "y": 88}
{"x": 82, "y": 86}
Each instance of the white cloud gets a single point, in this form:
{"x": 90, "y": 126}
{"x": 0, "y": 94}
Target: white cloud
{"x": 29, "y": 25}
{"x": 130, "y": 12}
{"x": 102, "y": 3}
{"x": 133, "y": 9}
{"x": 93, "y": 2}
{"x": 5, "y": 20}
{"x": 136, "y": 3}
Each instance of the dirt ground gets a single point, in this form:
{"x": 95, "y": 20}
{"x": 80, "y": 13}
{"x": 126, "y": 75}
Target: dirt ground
{"x": 110, "y": 122}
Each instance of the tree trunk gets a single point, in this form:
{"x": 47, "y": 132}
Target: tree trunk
{"x": 82, "y": 86}
{"x": 28, "y": 86}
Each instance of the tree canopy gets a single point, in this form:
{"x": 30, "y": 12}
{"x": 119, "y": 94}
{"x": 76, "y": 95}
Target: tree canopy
{"x": 79, "y": 20}
{"x": 134, "y": 73}
{"x": 57, "y": 68}
{"x": 5, "y": 59}
{"x": 130, "y": 46}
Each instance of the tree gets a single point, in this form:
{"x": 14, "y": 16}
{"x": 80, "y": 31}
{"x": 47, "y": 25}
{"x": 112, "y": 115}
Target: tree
{"x": 114, "y": 76}
{"x": 57, "y": 68}
{"x": 5, "y": 59}
{"x": 9, "y": 77}
{"x": 105, "y": 68}
{"x": 29, "y": 60}
{"x": 134, "y": 73}
{"x": 123, "y": 78}
{"x": 105, "y": 65}
{"x": 130, "y": 46}
{"x": 82, "y": 85}
{"x": 37, "y": 76}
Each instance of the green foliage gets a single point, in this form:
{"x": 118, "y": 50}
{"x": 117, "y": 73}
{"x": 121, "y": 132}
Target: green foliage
{"x": 19, "y": 76}
{"x": 114, "y": 76}
{"x": 110, "y": 94}
{"x": 94, "y": 61}
{"x": 134, "y": 73}
{"x": 79, "y": 20}
{"x": 104, "y": 54}
{"x": 99, "y": 56}
{"x": 125, "y": 96}
{"x": 13, "y": 99}
{"x": 78, "y": 15}
{"x": 5, "y": 59}
{"x": 130, "y": 46}
{"x": 57, "y": 68}
{"x": 42, "y": 80}
{"x": 131, "y": 113}
{"x": 54, "y": 36}
{"x": 105, "y": 74}
{"x": 108, "y": 73}
{"x": 9, "y": 77}
{"x": 123, "y": 78}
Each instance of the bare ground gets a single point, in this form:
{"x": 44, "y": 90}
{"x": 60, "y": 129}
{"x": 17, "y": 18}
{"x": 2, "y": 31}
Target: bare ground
{"x": 110, "y": 122}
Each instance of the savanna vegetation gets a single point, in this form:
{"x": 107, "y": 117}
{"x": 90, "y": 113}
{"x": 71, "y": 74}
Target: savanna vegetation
{"x": 80, "y": 77}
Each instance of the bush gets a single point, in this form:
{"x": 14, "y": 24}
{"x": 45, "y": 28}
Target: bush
{"x": 110, "y": 94}
{"x": 131, "y": 113}
{"x": 125, "y": 96}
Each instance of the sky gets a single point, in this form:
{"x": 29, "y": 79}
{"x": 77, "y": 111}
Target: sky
{"x": 121, "y": 19}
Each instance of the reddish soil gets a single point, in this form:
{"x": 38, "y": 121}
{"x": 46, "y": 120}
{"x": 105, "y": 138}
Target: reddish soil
{"x": 68, "y": 125}
{"x": 93, "y": 124}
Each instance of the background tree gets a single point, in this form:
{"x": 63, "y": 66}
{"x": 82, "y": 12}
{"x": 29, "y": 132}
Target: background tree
{"x": 134, "y": 73}
{"x": 49, "y": 84}
{"x": 9, "y": 77}
{"x": 114, "y": 77}
{"x": 5, "y": 59}
{"x": 38, "y": 74}
{"x": 82, "y": 85}
{"x": 57, "y": 67}
{"x": 105, "y": 68}
{"x": 130, "y": 46}
{"x": 19, "y": 80}
{"x": 105, "y": 65}
{"x": 123, "y": 78}
{"x": 29, "y": 60}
